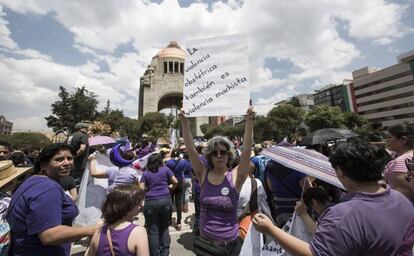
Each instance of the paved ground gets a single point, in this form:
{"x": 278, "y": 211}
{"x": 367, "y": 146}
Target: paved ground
{"x": 181, "y": 241}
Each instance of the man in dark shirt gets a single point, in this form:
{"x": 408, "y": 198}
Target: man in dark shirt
{"x": 79, "y": 141}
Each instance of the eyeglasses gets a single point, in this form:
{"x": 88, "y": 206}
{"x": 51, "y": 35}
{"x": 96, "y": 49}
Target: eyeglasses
{"x": 222, "y": 152}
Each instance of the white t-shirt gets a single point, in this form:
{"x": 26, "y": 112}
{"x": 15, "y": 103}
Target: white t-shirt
{"x": 244, "y": 197}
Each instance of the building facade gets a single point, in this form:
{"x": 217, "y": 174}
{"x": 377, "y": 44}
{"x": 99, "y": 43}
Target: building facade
{"x": 387, "y": 95}
{"x": 6, "y": 127}
{"x": 161, "y": 86}
{"x": 336, "y": 95}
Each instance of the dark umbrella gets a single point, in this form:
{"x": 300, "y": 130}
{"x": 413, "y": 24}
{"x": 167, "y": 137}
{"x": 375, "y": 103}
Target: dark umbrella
{"x": 322, "y": 136}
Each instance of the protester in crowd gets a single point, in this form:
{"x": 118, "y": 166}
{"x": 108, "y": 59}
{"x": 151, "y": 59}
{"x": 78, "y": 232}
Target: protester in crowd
{"x": 119, "y": 235}
{"x": 315, "y": 199}
{"x": 407, "y": 247}
{"x": 196, "y": 189}
{"x": 5, "y": 150}
{"x": 165, "y": 154}
{"x": 178, "y": 167}
{"x": 79, "y": 141}
{"x": 40, "y": 213}
{"x": 400, "y": 139}
{"x": 377, "y": 136}
{"x": 246, "y": 192}
{"x": 158, "y": 204}
{"x": 186, "y": 183}
{"x": 285, "y": 185}
{"x": 31, "y": 153}
{"x": 260, "y": 162}
{"x": 146, "y": 148}
{"x": 68, "y": 185}
{"x": 122, "y": 171}
{"x": 356, "y": 225}
{"x": 19, "y": 159}
{"x": 220, "y": 188}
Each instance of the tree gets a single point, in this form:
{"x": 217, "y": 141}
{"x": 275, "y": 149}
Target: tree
{"x": 22, "y": 139}
{"x": 353, "y": 121}
{"x": 131, "y": 129}
{"x": 204, "y": 128}
{"x": 114, "y": 118}
{"x": 154, "y": 124}
{"x": 71, "y": 109}
{"x": 286, "y": 119}
{"x": 324, "y": 116}
{"x": 264, "y": 129}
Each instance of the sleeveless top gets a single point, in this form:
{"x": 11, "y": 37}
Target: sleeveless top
{"x": 218, "y": 210}
{"x": 119, "y": 241}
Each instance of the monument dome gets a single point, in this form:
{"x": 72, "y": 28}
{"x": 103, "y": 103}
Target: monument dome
{"x": 173, "y": 50}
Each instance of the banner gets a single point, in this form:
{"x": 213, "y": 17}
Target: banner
{"x": 254, "y": 244}
{"x": 216, "y": 76}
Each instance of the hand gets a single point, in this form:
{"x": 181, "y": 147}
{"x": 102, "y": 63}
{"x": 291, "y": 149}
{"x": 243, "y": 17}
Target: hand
{"x": 182, "y": 116}
{"x": 262, "y": 223}
{"x": 92, "y": 157}
{"x": 250, "y": 113}
{"x": 300, "y": 208}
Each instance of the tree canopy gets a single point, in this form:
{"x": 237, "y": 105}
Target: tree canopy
{"x": 323, "y": 116}
{"x": 22, "y": 139}
{"x": 72, "y": 108}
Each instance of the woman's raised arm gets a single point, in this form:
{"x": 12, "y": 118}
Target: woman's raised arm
{"x": 197, "y": 165}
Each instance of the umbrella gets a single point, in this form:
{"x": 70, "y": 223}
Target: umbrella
{"x": 322, "y": 136}
{"x": 100, "y": 140}
{"x": 306, "y": 161}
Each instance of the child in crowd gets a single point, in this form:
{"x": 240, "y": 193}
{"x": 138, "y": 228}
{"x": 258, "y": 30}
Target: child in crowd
{"x": 119, "y": 235}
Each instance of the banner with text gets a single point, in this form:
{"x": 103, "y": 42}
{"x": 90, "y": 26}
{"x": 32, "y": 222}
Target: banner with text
{"x": 216, "y": 76}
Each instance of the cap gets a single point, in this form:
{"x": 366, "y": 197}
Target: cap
{"x": 81, "y": 125}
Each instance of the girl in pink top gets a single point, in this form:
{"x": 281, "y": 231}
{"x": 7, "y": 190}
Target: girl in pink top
{"x": 400, "y": 140}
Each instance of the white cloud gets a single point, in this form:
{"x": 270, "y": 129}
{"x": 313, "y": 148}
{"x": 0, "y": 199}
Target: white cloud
{"x": 305, "y": 33}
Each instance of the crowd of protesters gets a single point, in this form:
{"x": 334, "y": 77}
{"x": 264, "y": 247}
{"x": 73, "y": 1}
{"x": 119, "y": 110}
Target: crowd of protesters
{"x": 230, "y": 183}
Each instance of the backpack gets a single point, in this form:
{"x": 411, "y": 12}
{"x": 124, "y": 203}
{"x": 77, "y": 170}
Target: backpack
{"x": 246, "y": 219}
{"x": 5, "y": 231}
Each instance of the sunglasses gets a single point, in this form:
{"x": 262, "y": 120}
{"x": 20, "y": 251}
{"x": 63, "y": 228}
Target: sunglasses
{"x": 222, "y": 152}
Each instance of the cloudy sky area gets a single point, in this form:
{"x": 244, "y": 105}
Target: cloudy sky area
{"x": 295, "y": 46}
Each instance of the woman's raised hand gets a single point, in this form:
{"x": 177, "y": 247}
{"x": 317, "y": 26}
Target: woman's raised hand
{"x": 182, "y": 116}
{"x": 250, "y": 113}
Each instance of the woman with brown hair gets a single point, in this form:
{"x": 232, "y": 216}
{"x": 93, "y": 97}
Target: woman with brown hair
{"x": 119, "y": 235}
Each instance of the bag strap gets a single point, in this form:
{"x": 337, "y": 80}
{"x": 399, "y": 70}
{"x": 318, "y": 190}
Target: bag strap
{"x": 253, "y": 196}
{"x": 108, "y": 235}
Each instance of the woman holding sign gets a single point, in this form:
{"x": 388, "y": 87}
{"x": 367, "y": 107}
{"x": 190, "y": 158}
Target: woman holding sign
{"x": 220, "y": 188}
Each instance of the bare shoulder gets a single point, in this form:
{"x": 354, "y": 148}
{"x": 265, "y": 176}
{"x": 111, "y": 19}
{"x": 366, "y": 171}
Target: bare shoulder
{"x": 138, "y": 234}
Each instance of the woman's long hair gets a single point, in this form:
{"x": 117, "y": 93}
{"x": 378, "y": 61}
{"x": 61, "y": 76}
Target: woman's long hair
{"x": 154, "y": 162}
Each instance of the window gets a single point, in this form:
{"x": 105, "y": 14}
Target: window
{"x": 182, "y": 68}
{"x": 165, "y": 67}
{"x": 170, "y": 67}
{"x": 175, "y": 67}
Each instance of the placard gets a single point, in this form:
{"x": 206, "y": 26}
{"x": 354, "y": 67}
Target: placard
{"x": 216, "y": 76}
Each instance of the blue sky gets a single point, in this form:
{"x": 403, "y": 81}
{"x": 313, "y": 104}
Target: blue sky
{"x": 294, "y": 46}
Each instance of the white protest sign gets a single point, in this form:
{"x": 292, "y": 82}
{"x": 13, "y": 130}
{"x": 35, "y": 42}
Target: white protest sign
{"x": 254, "y": 245}
{"x": 216, "y": 76}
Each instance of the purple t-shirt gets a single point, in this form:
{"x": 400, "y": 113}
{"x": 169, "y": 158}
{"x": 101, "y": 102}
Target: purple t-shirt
{"x": 157, "y": 183}
{"x": 42, "y": 205}
{"x": 122, "y": 176}
{"x": 407, "y": 247}
{"x": 218, "y": 209}
{"x": 364, "y": 224}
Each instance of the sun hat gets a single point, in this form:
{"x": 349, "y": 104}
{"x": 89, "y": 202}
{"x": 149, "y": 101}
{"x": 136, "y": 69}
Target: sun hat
{"x": 117, "y": 159}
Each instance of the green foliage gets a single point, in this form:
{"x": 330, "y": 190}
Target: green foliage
{"x": 22, "y": 139}
{"x": 286, "y": 120}
{"x": 324, "y": 116}
{"x": 155, "y": 125}
{"x": 263, "y": 129}
{"x": 353, "y": 121}
{"x": 115, "y": 118}
{"x": 131, "y": 129}
{"x": 204, "y": 128}
{"x": 71, "y": 109}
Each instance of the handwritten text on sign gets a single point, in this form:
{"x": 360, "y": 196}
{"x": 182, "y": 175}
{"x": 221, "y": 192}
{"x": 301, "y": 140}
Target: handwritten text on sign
{"x": 216, "y": 78}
